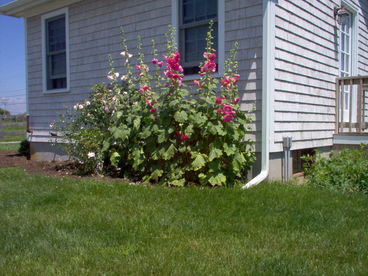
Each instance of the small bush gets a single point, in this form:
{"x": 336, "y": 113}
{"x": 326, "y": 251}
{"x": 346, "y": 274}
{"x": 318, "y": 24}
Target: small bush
{"x": 24, "y": 148}
{"x": 345, "y": 170}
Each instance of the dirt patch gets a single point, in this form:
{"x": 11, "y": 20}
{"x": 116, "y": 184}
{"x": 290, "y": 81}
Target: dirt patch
{"x": 11, "y": 159}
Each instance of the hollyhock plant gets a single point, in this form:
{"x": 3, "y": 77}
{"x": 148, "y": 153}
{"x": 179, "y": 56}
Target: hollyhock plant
{"x": 151, "y": 127}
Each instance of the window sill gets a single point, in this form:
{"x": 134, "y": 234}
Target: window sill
{"x": 197, "y": 76}
{"x": 56, "y": 91}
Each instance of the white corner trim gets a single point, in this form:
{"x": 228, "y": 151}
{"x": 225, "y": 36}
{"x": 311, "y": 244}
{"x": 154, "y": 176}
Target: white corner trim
{"x": 26, "y": 62}
{"x": 221, "y": 34}
{"x": 44, "y": 17}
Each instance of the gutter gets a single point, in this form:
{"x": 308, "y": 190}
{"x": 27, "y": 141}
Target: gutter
{"x": 267, "y": 88}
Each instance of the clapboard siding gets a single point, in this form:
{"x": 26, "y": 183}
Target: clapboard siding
{"x": 94, "y": 34}
{"x": 306, "y": 66}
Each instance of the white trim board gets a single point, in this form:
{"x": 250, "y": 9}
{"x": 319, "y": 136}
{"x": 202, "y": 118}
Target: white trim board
{"x": 64, "y": 11}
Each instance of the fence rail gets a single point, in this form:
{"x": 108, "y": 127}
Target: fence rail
{"x": 352, "y": 105}
{"x": 12, "y": 121}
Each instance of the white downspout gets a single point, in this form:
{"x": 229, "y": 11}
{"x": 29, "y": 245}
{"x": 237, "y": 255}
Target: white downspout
{"x": 267, "y": 88}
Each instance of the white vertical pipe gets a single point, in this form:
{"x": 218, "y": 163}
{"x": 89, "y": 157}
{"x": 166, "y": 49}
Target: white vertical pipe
{"x": 267, "y": 88}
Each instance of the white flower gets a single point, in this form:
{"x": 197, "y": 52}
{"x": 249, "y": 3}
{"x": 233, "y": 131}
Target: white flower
{"x": 130, "y": 55}
{"x": 80, "y": 106}
{"x": 116, "y": 75}
{"x": 125, "y": 93}
{"x": 87, "y": 103}
{"x": 123, "y": 53}
{"x": 91, "y": 155}
{"x": 124, "y": 77}
{"x": 75, "y": 107}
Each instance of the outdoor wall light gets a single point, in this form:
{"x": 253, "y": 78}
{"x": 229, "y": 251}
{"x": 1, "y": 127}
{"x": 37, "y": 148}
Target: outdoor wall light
{"x": 341, "y": 14}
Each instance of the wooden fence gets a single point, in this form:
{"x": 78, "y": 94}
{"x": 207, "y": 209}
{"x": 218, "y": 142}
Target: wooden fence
{"x": 12, "y": 121}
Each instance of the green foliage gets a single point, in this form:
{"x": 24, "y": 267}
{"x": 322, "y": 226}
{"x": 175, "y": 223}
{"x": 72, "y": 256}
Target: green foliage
{"x": 345, "y": 170}
{"x": 148, "y": 125}
{"x": 24, "y": 147}
{"x": 4, "y": 112}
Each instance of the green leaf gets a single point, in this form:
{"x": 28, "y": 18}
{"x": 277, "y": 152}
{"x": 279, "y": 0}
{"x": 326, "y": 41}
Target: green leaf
{"x": 214, "y": 153}
{"x": 178, "y": 183}
{"x": 162, "y": 137}
{"x": 229, "y": 149}
{"x": 238, "y": 161}
{"x": 145, "y": 133}
{"x": 137, "y": 122}
{"x": 220, "y": 129}
{"x": 121, "y": 133}
{"x": 119, "y": 114}
{"x": 198, "y": 162}
{"x": 217, "y": 180}
{"x": 156, "y": 175}
{"x": 199, "y": 118}
{"x": 115, "y": 158}
{"x": 169, "y": 153}
{"x": 180, "y": 116}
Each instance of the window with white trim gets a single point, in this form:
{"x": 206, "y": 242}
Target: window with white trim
{"x": 345, "y": 54}
{"x": 55, "y": 51}
{"x": 194, "y": 18}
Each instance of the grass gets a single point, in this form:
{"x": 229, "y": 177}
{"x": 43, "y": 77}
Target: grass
{"x": 10, "y": 138}
{"x": 69, "y": 227}
{"x": 4, "y": 147}
{"x": 14, "y": 128}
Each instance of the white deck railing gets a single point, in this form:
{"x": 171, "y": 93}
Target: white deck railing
{"x": 352, "y": 105}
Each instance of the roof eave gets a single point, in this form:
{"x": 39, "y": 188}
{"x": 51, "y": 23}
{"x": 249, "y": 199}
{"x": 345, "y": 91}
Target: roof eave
{"x": 28, "y": 8}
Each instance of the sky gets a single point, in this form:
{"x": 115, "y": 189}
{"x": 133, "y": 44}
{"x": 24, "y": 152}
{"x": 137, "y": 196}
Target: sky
{"x": 12, "y": 64}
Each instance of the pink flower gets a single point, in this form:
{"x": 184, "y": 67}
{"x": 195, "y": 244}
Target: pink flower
{"x": 210, "y": 56}
{"x": 184, "y": 138}
{"x": 219, "y": 111}
{"x": 145, "y": 88}
{"x": 228, "y": 118}
{"x": 138, "y": 67}
{"x": 155, "y": 61}
{"x": 196, "y": 82}
{"x": 153, "y": 110}
{"x": 160, "y": 63}
{"x": 228, "y": 109}
{"x": 236, "y": 100}
{"x": 218, "y": 100}
{"x": 149, "y": 103}
{"x": 209, "y": 67}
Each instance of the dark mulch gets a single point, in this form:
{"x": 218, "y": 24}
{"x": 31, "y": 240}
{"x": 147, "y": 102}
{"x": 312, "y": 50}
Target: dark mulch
{"x": 11, "y": 159}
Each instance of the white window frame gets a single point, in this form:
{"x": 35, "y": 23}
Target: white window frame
{"x": 175, "y": 9}
{"x": 353, "y": 66}
{"x": 45, "y": 17}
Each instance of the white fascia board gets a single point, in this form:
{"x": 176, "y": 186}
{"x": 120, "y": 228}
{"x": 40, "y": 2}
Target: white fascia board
{"x": 28, "y": 8}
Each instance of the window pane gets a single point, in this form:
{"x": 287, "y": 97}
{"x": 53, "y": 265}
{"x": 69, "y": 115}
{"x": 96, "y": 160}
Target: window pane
{"x": 198, "y": 10}
{"x": 56, "y": 34}
{"x": 58, "y": 64}
{"x": 195, "y": 42}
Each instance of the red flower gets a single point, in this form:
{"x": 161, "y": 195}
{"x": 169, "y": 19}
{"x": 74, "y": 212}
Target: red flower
{"x": 184, "y": 138}
{"x": 228, "y": 109}
{"x": 218, "y": 100}
{"x": 236, "y": 100}
{"x": 177, "y": 132}
{"x": 153, "y": 110}
{"x": 219, "y": 111}
{"x": 228, "y": 118}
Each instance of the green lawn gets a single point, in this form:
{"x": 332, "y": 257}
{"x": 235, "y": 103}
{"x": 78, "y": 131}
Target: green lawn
{"x": 7, "y": 146}
{"x": 14, "y": 128}
{"x": 69, "y": 227}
